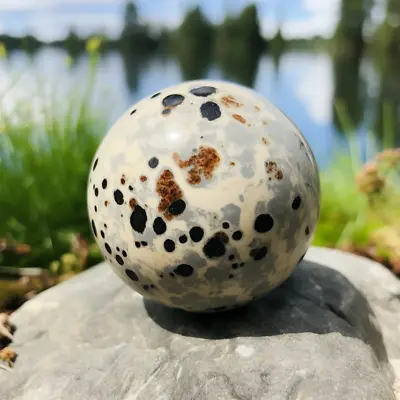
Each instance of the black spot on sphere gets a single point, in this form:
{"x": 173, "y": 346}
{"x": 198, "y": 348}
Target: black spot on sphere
{"x": 177, "y": 207}
{"x": 102, "y": 234}
{"x": 225, "y": 225}
{"x": 133, "y": 111}
{"x": 119, "y": 259}
{"x": 155, "y": 95}
{"x": 166, "y": 111}
{"x": 94, "y": 228}
{"x": 223, "y": 237}
{"x": 184, "y": 270}
{"x": 215, "y": 247}
{"x": 210, "y": 110}
{"x": 173, "y": 100}
{"x": 307, "y": 230}
{"x": 95, "y": 164}
{"x": 196, "y": 233}
{"x": 263, "y": 223}
{"x": 144, "y": 244}
{"x": 124, "y": 253}
{"x": 296, "y": 202}
{"x": 153, "y": 162}
{"x": 117, "y": 248}
{"x": 217, "y": 309}
{"x": 231, "y": 257}
{"x": 203, "y": 91}
{"x": 183, "y": 239}
{"x": 104, "y": 184}
{"x": 237, "y": 235}
{"x": 108, "y": 248}
{"x": 146, "y": 287}
{"x": 137, "y": 244}
{"x": 138, "y": 219}
{"x": 118, "y": 197}
{"x": 169, "y": 245}
{"x": 130, "y": 188}
{"x": 235, "y": 266}
{"x": 96, "y": 192}
{"x": 132, "y": 275}
{"x": 95, "y": 208}
{"x": 259, "y": 254}
{"x": 159, "y": 226}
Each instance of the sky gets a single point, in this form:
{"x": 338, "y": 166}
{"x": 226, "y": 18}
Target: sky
{"x": 51, "y": 19}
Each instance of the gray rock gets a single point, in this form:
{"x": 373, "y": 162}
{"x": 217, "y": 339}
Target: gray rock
{"x": 330, "y": 332}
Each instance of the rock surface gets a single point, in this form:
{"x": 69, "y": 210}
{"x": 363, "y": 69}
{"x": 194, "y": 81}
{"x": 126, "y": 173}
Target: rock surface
{"x": 330, "y": 332}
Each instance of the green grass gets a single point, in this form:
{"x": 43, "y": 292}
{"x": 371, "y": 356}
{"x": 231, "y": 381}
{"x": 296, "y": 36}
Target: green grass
{"x": 347, "y": 217}
{"x": 44, "y": 166}
{"x": 342, "y": 207}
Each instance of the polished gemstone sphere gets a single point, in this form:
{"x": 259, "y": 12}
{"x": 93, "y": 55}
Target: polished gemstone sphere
{"x": 203, "y": 196}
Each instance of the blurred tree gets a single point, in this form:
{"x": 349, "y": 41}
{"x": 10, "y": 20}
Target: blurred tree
{"x": 132, "y": 39}
{"x": 348, "y": 89}
{"x": 193, "y": 44}
{"x": 348, "y": 38}
{"x": 73, "y": 43}
{"x": 387, "y": 125}
{"x": 133, "y": 66}
{"x": 135, "y": 37}
{"x": 387, "y": 50}
{"x": 348, "y": 48}
{"x": 163, "y": 39}
{"x": 387, "y": 37}
{"x": 10, "y": 42}
{"x": 131, "y": 23}
{"x": 239, "y": 45}
{"x": 277, "y": 44}
{"x": 248, "y": 28}
{"x": 28, "y": 43}
{"x": 276, "y": 47}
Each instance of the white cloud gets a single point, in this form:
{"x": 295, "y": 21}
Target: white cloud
{"x": 168, "y": 15}
{"x": 300, "y": 28}
{"x": 47, "y": 25}
{"x": 321, "y": 6}
{"x": 307, "y": 28}
{"x": 269, "y": 26}
{"x": 28, "y": 5}
{"x": 321, "y": 20}
{"x": 18, "y": 5}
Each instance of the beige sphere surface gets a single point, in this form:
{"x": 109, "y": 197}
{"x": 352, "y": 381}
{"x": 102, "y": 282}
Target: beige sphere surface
{"x": 204, "y": 196}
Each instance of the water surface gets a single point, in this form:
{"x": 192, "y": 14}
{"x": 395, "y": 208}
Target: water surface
{"x": 303, "y": 84}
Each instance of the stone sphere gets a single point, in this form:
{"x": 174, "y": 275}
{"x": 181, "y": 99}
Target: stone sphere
{"x": 203, "y": 196}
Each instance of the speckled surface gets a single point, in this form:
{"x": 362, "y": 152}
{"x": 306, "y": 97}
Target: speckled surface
{"x": 203, "y": 196}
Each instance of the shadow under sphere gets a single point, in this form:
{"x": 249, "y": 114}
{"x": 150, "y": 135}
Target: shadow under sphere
{"x": 314, "y": 299}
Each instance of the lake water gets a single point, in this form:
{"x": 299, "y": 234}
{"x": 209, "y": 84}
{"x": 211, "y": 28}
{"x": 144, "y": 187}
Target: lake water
{"x": 303, "y": 84}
